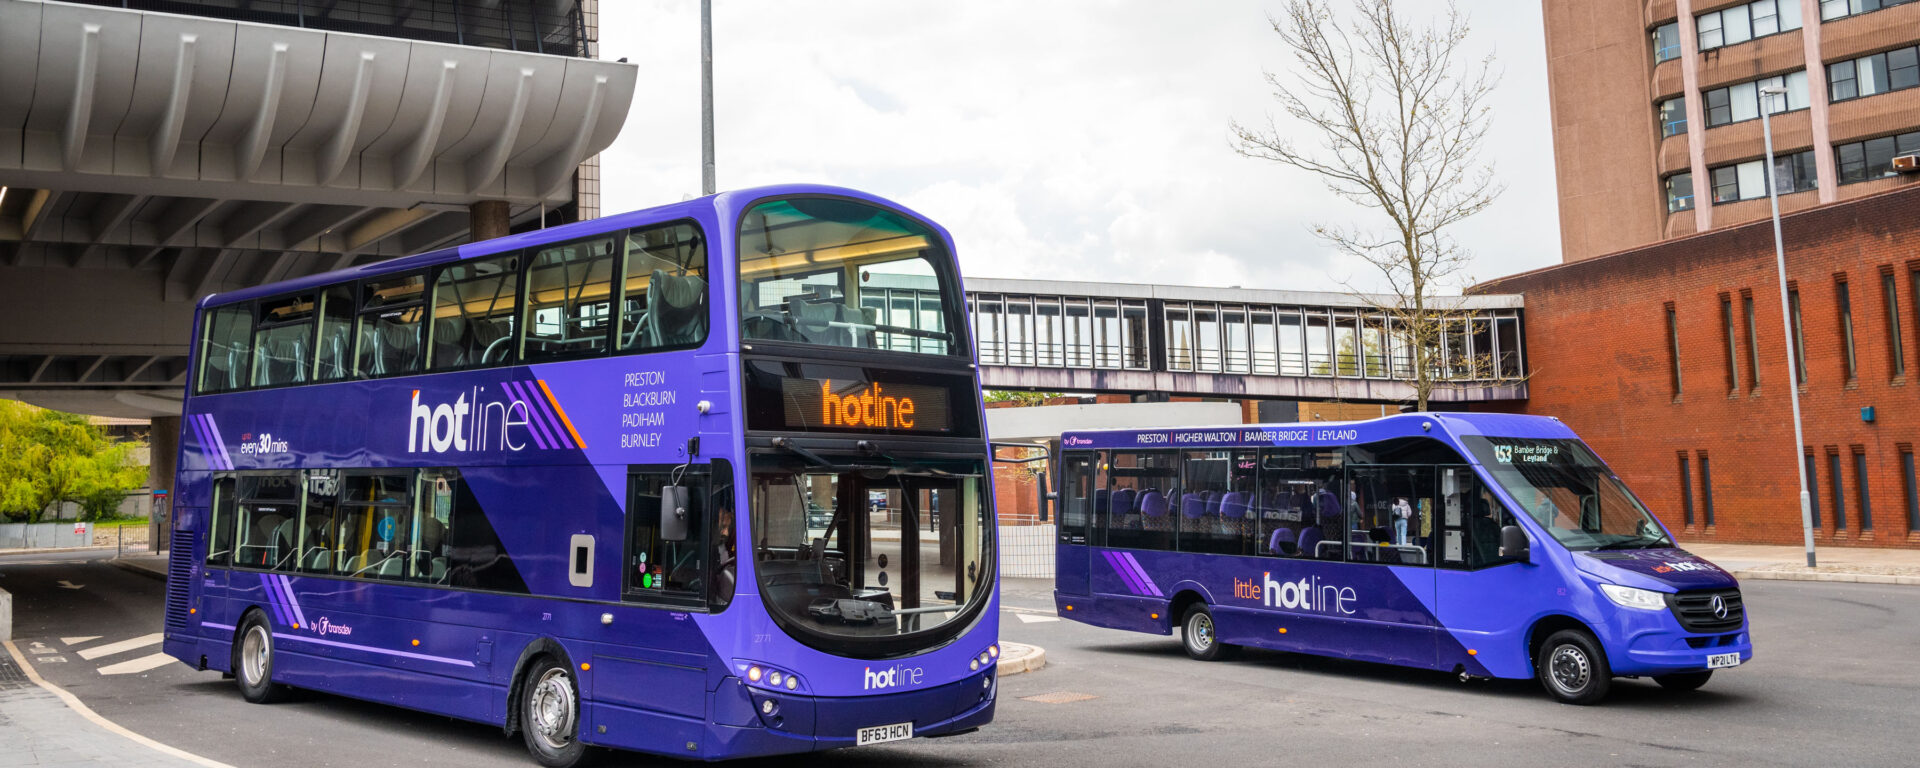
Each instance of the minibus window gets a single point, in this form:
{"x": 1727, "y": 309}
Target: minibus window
{"x": 1573, "y": 495}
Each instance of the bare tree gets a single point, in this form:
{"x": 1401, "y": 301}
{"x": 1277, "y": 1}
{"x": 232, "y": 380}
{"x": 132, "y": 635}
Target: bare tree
{"x": 1399, "y": 113}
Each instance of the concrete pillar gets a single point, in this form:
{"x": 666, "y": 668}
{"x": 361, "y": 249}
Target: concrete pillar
{"x": 163, "y": 452}
{"x": 489, "y": 219}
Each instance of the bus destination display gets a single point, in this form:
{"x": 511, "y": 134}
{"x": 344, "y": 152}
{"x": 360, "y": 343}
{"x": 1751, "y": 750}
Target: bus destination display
{"x": 865, "y": 405}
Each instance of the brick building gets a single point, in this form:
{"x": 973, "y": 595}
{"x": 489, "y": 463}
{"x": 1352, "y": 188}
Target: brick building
{"x": 1670, "y": 360}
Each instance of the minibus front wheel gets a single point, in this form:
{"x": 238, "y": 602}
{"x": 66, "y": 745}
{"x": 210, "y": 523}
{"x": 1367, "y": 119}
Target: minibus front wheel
{"x": 1573, "y": 668}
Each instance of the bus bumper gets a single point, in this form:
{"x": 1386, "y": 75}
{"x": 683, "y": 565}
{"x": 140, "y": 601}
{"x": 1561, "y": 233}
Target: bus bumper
{"x": 800, "y": 723}
{"x": 1663, "y": 653}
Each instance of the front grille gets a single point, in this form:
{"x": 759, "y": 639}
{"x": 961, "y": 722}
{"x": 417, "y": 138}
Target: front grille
{"x": 1696, "y": 614}
{"x": 179, "y": 577}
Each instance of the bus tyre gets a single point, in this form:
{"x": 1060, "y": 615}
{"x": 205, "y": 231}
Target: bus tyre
{"x": 1199, "y": 637}
{"x": 253, "y": 661}
{"x": 550, "y": 715}
{"x": 1684, "y": 681}
{"x": 1573, "y": 668}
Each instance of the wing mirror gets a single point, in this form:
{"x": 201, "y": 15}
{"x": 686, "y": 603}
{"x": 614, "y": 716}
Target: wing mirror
{"x": 1513, "y": 544}
{"x": 673, "y": 513}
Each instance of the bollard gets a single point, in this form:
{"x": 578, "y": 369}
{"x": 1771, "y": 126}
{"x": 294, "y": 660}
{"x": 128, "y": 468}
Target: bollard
{"x": 6, "y": 615}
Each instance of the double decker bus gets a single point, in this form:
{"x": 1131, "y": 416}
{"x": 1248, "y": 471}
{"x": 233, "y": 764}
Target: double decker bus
{"x": 1489, "y": 545}
{"x": 610, "y": 484}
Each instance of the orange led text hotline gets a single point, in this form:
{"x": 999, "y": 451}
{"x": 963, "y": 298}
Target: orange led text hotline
{"x": 866, "y": 408}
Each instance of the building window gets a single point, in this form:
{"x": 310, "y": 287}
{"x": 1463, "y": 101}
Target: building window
{"x": 1813, "y": 487}
{"x": 1873, "y": 158}
{"x": 1896, "y": 350}
{"x": 1666, "y": 42}
{"x": 1706, "y": 488}
{"x": 1673, "y": 116}
{"x": 1799, "y": 338}
{"x": 1844, "y": 298}
{"x": 1860, "y": 482}
{"x": 1745, "y": 101}
{"x": 1733, "y": 350}
{"x": 1680, "y": 192}
{"x": 1753, "y": 346}
{"x": 1686, "y": 489}
{"x": 1729, "y": 26}
{"x": 1673, "y": 349}
{"x": 1747, "y": 181}
{"x": 1913, "y": 490}
{"x": 1834, "y": 9}
{"x": 1838, "y": 489}
{"x": 1893, "y": 70}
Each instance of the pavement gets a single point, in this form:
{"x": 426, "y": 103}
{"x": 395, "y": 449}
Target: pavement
{"x": 1856, "y": 565}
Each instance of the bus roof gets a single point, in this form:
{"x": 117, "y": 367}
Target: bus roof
{"x": 1324, "y": 433}
{"x": 724, "y": 201}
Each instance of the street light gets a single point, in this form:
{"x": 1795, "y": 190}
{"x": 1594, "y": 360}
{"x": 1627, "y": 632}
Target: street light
{"x": 1786, "y": 319}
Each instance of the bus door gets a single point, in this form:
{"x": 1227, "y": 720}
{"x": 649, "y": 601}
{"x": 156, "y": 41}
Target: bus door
{"x": 1391, "y": 531}
{"x": 1072, "y": 553}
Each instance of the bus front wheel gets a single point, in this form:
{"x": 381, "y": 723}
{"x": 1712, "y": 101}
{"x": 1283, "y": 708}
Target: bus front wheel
{"x": 550, "y": 715}
{"x": 253, "y": 661}
{"x": 1201, "y": 638}
{"x": 1573, "y": 668}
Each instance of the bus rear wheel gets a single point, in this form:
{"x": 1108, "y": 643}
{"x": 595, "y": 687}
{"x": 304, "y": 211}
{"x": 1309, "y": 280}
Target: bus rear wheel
{"x": 1684, "y": 681}
{"x": 1201, "y": 639}
{"x": 253, "y": 661}
{"x": 1573, "y": 668}
{"x": 550, "y": 715}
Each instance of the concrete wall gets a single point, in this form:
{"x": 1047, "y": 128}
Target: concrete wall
{"x": 39, "y": 535}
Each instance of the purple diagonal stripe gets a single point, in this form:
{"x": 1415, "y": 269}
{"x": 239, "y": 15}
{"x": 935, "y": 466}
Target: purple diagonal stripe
{"x": 286, "y": 588}
{"x": 280, "y": 594}
{"x": 538, "y": 404}
{"x": 273, "y": 601}
{"x": 1142, "y": 573}
{"x": 1126, "y": 576}
{"x": 534, "y": 426}
{"x": 206, "y": 444}
{"x": 225, "y": 458}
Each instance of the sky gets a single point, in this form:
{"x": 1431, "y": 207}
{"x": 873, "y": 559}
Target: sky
{"x": 1064, "y": 140}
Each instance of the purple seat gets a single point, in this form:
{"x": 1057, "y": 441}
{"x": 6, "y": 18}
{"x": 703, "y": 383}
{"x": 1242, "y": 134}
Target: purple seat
{"x": 1310, "y": 539}
{"x": 1233, "y": 505}
{"x": 1192, "y": 505}
{"x": 1213, "y": 503}
{"x": 1153, "y": 505}
{"x": 1122, "y": 502}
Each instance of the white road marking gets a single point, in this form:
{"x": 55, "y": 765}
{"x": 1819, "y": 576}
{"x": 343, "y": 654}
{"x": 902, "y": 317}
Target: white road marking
{"x": 1031, "y": 618}
{"x": 94, "y": 717}
{"x": 141, "y": 664}
{"x": 79, "y": 640}
{"x": 120, "y": 647}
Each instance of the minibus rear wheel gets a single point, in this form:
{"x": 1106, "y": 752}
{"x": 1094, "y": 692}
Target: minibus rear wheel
{"x": 1573, "y": 668}
{"x": 1201, "y": 639}
{"x": 1683, "y": 681}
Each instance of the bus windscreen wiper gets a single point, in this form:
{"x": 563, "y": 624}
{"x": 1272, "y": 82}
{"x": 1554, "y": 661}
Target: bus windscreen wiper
{"x": 786, "y": 444}
{"x": 1638, "y": 542}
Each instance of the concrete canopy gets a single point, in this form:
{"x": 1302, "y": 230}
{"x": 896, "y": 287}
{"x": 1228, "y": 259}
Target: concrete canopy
{"x": 148, "y": 159}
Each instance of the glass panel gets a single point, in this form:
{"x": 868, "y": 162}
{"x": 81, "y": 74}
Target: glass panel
{"x": 1079, "y": 334}
{"x": 220, "y": 523}
{"x": 1903, "y": 68}
{"x": 1109, "y": 340}
{"x": 1797, "y": 90}
{"x": 1048, "y": 330}
{"x": 225, "y": 352}
{"x": 1480, "y": 365}
{"x": 659, "y": 568}
{"x": 1737, "y": 23}
{"x": 1872, "y": 71}
{"x": 664, "y": 296}
{"x": 390, "y": 326}
{"x": 1233, "y": 331}
{"x": 904, "y": 555}
{"x": 1180, "y": 347}
{"x": 268, "y": 521}
{"x": 1744, "y": 101}
{"x": 1143, "y": 498}
{"x": 569, "y": 300}
{"x": 1206, "y": 335}
{"x": 1569, "y": 492}
{"x": 474, "y": 309}
{"x": 1019, "y": 331}
{"x": 333, "y": 353}
{"x": 1666, "y": 42}
{"x": 1346, "y": 335}
{"x": 1507, "y": 336}
{"x": 1753, "y": 175}
{"x": 374, "y": 535}
{"x": 1264, "y": 344}
{"x": 1293, "y": 350}
{"x": 1319, "y": 344}
{"x": 1217, "y": 497}
{"x": 282, "y": 345}
{"x": 804, "y": 263}
{"x": 986, "y": 328}
{"x": 1302, "y": 512}
{"x": 1679, "y": 192}
{"x": 458, "y": 545}
{"x": 1133, "y": 315}
{"x": 1709, "y": 30}
{"x": 1393, "y": 519}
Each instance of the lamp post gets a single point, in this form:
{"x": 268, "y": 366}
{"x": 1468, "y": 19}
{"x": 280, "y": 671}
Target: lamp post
{"x": 706, "y": 98}
{"x": 1786, "y": 319}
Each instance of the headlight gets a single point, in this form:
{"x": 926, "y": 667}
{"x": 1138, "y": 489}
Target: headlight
{"x": 1631, "y": 597}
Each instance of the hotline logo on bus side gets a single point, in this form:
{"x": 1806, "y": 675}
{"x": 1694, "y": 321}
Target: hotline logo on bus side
{"x": 522, "y": 415}
{"x": 1307, "y": 593}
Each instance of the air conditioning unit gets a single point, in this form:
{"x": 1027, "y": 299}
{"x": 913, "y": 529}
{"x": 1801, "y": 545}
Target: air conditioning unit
{"x": 1907, "y": 163}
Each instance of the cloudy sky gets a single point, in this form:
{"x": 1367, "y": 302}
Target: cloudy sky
{"x": 1068, "y": 140}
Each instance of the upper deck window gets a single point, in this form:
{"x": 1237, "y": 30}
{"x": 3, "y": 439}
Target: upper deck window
{"x": 843, "y": 273}
{"x": 224, "y": 352}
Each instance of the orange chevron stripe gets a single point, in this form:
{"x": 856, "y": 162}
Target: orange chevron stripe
{"x": 563, "y": 414}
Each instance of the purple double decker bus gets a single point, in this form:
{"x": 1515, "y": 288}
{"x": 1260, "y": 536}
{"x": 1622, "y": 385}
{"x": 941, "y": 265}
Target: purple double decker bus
{"x": 605, "y": 485}
{"x": 1487, "y": 545}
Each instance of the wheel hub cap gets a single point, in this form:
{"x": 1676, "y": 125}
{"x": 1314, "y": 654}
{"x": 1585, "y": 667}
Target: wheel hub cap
{"x": 1569, "y": 668}
{"x": 553, "y": 705}
{"x": 253, "y": 655}
{"x": 1202, "y": 632}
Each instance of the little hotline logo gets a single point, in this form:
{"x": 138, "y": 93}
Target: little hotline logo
{"x": 1307, "y": 594}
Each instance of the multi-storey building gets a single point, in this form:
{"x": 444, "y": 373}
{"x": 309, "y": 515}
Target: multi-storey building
{"x": 1656, "y": 109}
